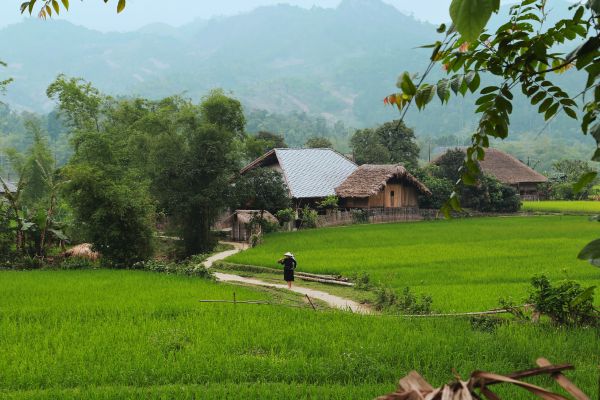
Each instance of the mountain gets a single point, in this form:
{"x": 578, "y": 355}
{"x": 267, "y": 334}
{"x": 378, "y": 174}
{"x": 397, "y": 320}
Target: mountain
{"x": 335, "y": 63}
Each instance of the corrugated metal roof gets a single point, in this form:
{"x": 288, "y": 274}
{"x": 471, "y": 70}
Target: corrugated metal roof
{"x": 313, "y": 172}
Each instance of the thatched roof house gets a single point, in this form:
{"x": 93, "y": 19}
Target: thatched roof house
{"x": 387, "y": 186}
{"x": 510, "y": 171}
{"x": 310, "y": 174}
{"x": 240, "y": 222}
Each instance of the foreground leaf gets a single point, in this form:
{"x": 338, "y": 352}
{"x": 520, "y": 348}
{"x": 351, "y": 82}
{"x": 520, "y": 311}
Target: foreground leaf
{"x": 471, "y": 16}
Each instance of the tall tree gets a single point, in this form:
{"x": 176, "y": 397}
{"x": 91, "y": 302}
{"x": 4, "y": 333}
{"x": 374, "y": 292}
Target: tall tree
{"x": 391, "y": 142}
{"x": 224, "y": 112}
{"x": 400, "y": 142}
{"x": 261, "y": 189}
{"x": 368, "y": 149}
{"x": 194, "y": 165}
{"x": 109, "y": 194}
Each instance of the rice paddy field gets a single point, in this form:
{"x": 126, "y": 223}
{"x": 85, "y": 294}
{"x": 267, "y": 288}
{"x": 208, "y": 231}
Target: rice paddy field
{"x": 464, "y": 264}
{"x": 130, "y": 334}
{"x": 581, "y": 207}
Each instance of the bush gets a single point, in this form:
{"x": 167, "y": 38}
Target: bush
{"x": 387, "y": 299}
{"x": 188, "y": 268}
{"x": 308, "y": 219}
{"x": 78, "y": 263}
{"x": 440, "y": 188}
{"x": 362, "y": 281}
{"x": 285, "y": 215}
{"x": 566, "y": 303}
{"x": 329, "y": 203}
{"x": 360, "y": 217}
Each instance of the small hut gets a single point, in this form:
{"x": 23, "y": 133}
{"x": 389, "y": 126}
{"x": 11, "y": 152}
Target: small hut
{"x": 241, "y": 222}
{"x": 380, "y": 186}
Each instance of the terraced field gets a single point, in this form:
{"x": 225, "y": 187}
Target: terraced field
{"x": 465, "y": 265}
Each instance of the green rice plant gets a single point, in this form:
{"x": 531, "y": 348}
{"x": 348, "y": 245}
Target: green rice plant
{"x": 562, "y": 206}
{"x": 465, "y": 264}
{"x": 116, "y": 334}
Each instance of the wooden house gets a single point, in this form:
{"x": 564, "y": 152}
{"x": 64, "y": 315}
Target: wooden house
{"x": 380, "y": 186}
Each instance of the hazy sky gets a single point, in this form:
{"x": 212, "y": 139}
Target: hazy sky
{"x": 96, "y": 15}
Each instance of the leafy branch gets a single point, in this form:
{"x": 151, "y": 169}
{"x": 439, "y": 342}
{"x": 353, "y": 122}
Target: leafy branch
{"x": 47, "y": 7}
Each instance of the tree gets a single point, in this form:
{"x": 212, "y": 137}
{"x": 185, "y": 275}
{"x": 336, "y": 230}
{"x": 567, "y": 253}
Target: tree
{"x": 261, "y": 189}
{"x": 31, "y": 208}
{"x": 566, "y": 174}
{"x": 224, "y": 112}
{"x": 194, "y": 164}
{"x": 449, "y": 165}
{"x": 316, "y": 142}
{"x": 108, "y": 192}
{"x": 262, "y": 142}
{"x": 391, "y": 142}
{"x": 367, "y": 148}
{"x": 400, "y": 141}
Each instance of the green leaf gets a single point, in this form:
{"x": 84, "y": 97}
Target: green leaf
{"x": 570, "y": 112}
{"x": 456, "y": 83}
{"x": 551, "y": 111}
{"x": 585, "y": 180}
{"x": 65, "y": 4}
{"x": 443, "y": 91}
{"x": 121, "y": 6}
{"x": 407, "y": 85}
{"x": 442, "y": 28}
{"x": 471, "y": 16}
{"x": 56, "y": 6}
{"x": 474, "y": 84}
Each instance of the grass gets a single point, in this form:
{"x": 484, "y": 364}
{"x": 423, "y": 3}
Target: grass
{"x": 466, "y": 264}
{"x": 126, "y": 334}
{"x": 578, "y": 207}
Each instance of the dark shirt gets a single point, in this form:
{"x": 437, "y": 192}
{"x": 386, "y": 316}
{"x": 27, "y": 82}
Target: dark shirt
{"x": 289, "y": 263}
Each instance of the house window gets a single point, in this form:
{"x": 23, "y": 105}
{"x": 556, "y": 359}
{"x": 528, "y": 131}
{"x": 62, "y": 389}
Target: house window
{"x": 392, "y": 204}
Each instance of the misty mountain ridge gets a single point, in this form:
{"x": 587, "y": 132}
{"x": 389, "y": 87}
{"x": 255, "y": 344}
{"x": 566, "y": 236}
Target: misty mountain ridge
{"x": 336, "y": 63}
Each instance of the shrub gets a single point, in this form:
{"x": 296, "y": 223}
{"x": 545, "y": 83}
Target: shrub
{"x": 329, "y": 203}
{"x": 188, "y": 268}
{"x": 566, "y": 303}
{"x": 362, "y": 281}
{"x": 308, "y": 219}
{"x": 387, "y": 299}
{"x": 360, "y": 217}
{"x": 285, "y": 215}
{"x": 78, "y": 263}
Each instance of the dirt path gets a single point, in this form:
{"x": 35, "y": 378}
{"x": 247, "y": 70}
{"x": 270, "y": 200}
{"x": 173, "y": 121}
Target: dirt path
{"x": 330, "y": 299}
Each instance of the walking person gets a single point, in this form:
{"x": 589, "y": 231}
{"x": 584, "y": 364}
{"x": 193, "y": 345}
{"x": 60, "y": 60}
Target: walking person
{"x": 289, "y": 265}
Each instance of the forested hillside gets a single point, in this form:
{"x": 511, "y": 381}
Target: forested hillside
{"x": 328, "y": 65}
